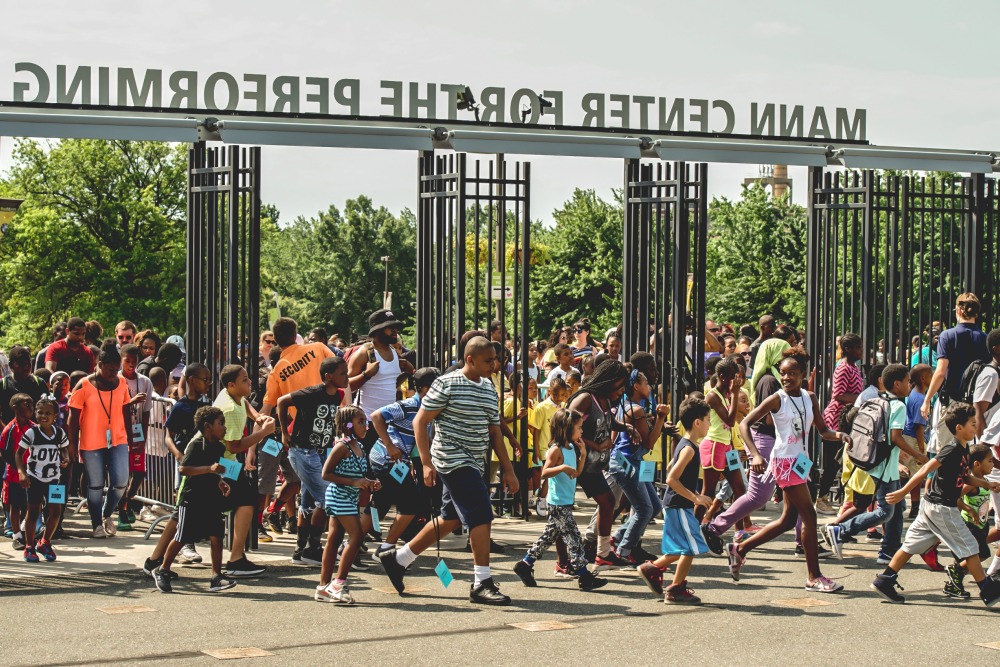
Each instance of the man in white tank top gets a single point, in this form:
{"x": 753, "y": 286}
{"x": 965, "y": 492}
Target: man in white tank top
{"x": 374, "y": 368}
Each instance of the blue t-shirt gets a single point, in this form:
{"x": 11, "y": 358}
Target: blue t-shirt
{"x": 399, "y": 423}
{"x": 913, "y": 416}
{"x": 624, "y": 445}
{"x": 961, "y": 345}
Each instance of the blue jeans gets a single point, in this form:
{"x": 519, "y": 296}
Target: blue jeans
{"x": 308, "y": 465}
{"x": 884, "y": 513}
{"x": 644, "y": 500}
{"x": 101, "y": 464}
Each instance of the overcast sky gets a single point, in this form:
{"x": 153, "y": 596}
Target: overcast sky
{"x": 924, "y": 70}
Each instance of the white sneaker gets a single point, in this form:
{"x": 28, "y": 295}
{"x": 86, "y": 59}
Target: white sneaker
{"x": 99, "y": 533}
{"x": 323, "y": 594}
{"x": 341, "y": 595}
{"x": 110, "y": 527}
{"x": 188, "y": 555}
{"x": 147, "y": 515}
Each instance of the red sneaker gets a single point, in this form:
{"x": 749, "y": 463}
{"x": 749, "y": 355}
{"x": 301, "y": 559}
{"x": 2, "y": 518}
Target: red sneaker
{"x": 681, "y": 594}
{"x": 931, "y": 558}
{"x": 653, "y": 576}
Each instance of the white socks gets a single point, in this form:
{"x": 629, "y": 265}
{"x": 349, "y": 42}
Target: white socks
{"x": 994, "y": 566}
{"x": 603, "y": 545}
{"x": 482, "y": 573}
{"x": 404, "y": 556}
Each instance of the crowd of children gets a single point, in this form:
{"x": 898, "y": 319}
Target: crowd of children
{"x": 592, "y": 422}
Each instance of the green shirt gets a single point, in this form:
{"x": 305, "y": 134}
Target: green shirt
{"x": 979, "y": 501}
{"x": 888, "y": 470}
{"x": 236, "y": 418}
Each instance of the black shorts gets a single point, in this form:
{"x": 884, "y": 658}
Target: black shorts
{"x": 593, "y": 484}
{"x": 198, "y": 523}
{"x": 242, "y": 492}
{"x": 408, "y": 497}
{"x": 38, "y": 492}
{"x": 981, "y": 535}
{"x": 14, "y": 496}
{"x": 465, "y": 497}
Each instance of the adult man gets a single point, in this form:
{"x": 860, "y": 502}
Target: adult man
{"x": 373, "y": 369}
{"x": 297, "y": 368}
{"x": 22, "y": 381}
{"x": 125, "y": 333}
{"x": 767, "y": 325}
{"x": 71, "y": 353}
{"x": 58, "y": 333}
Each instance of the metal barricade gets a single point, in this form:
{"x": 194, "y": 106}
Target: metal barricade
{"x": 159, "y": 488}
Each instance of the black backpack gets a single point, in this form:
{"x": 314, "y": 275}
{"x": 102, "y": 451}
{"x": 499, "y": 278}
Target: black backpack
{"x": 967, "y": 390}
{"x": 870, "y": 443}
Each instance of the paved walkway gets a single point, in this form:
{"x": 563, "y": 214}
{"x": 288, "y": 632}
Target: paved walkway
{"x": 65, "y": 613}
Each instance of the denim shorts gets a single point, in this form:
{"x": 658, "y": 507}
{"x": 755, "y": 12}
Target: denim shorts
{"x": 308, "y": 465}
{"x": 465, "y": 497}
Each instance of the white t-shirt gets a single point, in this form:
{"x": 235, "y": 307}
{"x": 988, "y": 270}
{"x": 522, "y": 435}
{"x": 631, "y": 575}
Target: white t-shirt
{"x": 43, "y": 452}
{"x": 986, "y": 388}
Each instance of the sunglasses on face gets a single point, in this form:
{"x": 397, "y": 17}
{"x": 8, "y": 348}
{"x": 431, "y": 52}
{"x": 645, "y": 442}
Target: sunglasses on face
{"x": 269, "y": 341}
{"x": 580, "y": 330}
{"x": 715, "y": 329}
{"x": 124, "y": 337}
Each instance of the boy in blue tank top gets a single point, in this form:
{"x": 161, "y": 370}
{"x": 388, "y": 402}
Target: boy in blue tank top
{"x": 563, "y": 463}
{"x": 682, "y": 538}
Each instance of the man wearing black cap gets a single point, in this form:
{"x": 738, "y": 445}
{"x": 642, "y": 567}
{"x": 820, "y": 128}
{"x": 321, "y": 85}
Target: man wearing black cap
{"x": 373, "y": 369}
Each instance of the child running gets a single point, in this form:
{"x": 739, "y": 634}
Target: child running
{"x": 345, "y": 470}
{"x": 682, "y": 539}
{"x": 15, "y": 500}
{"x": 42, "y": 453}
{"x": 939, "y": 518}
{"x": 975, "y": 507}
{"x": 200, "y": 497}
{"x": 563, "y": 463}
{"x": 792, "y": 409}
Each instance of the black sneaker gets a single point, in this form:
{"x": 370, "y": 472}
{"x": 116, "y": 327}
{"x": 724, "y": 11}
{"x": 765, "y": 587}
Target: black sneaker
{"x": 495, "y": 547}
{"x": 989, "y": 591}
{"x": 526, "y": 572}
{"x": 274, "y": 521}
{"x": 393, "y": 569}
{"x": 953, "y": 591}
{"x": 642, "y": 555}
{"x": 821, "y": 551}
{"x": 263, "y": 535}
{"x": 220, "y": 583}
{"x": 886, "y": 587}
{"x": 874, "y": 537}
{"x": 956, "y": 577}
{"x": 359, "y": 565}
{"x": 587, "y": 581}
{"x": 713, "y": 541}
{"x": 914, "y": 510}
{"x": 162, "y": 581}
{"x": 243, "y": 568}
{"x": 18, "y": 543}
{"x": 150, "y": 566}
{"x": 488, "y": 593}
{"x": 292, "y": 526}
{"x": 311, "y": 556}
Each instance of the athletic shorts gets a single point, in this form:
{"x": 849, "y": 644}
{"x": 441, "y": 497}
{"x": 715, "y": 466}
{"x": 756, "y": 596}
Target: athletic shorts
{"x": 341, "y": 500}
{"x": 14, "y": 496}
{"x": 593, "y": 484}
{"x": 682, "y": 533}
{"x": 781, "y": 471}
{"x": 137, "y": 457}
{"x": 38, "y": 492}
{"x": 198, "y": 523}
{"x": 981, "y": 536}
{"x": 713, "y": 454}
{"x": 267, "y": 471}
{"x": 939, "y": 523}
{"x": 242, "y": 492}
{"x": 465, "y": 497}
{"x": 408, "y": 496}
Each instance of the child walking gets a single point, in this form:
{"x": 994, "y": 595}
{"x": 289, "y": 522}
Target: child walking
{"x": 200, "y": 499}
{"x": 975, "y": 507}
{"x": 15, "y": 500}
{"x": 345, "y": 470}
{"x": 42, "y": 453}
{"x": 682, "y": 538}
{"x": 939, "y": 518}
{"x": 563, "y": 463}
{"x": 792, "y": 409}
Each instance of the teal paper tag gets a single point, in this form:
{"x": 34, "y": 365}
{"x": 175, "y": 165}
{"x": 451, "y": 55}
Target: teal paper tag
{"x": 802, "y": 465}
{"x": 732, "y": 460}
{"x": 647, "y": 471}
{"x": 399, "y": 471}
{"x": 232, "y": 468}
{"x": 443, "y": 573}
{"x": 271, "y": 447}
{"x": 57, "y": 494}
{"x": 375, "y": 525}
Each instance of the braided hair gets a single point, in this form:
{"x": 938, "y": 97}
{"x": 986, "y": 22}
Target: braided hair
{"x": 603, "y": 381}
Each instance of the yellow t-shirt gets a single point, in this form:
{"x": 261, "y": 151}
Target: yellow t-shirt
{"x": 236, "y": 418}
{"x": 542, "y": 420}
{"x": 508, "y": 412}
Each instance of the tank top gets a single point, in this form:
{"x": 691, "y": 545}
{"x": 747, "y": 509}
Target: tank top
{"x": 380, "y": 390}
{"x": 351, "y": 466}
{"x": 562, "y": 488}
{"x": 718, "y": 430}
{"x": 597, "y": 428}
{"x": 791, "y": 424}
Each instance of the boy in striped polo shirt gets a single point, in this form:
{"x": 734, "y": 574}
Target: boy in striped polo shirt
{"x": 465, "y": 412}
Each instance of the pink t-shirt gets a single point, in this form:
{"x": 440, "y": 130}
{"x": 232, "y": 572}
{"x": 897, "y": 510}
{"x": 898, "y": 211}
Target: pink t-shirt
{"x": 846, "y": 380}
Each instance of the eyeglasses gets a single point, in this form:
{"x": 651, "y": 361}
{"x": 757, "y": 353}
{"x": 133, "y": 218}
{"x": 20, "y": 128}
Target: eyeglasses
{"x": 715, "y": 329}
{"x": 269, "y": 341}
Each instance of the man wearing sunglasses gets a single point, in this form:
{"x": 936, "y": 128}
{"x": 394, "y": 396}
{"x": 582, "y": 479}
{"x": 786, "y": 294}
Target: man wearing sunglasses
{"x": 125, "y": 333}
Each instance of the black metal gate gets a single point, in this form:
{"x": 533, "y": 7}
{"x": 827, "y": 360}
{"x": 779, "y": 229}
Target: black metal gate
{"x": 223, "y": 257}
{"x": 663, "y": 283}
{"x": 473, "y": 257}
{"x": 887, "y": 256}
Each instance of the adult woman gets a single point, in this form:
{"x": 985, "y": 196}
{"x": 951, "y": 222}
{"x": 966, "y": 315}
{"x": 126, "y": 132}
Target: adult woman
{"x": 583, "y": 344}
{"x": 149, "y": 344}
{"x": 597, "y": 401}
{"x": 957, "y": 348}
{"x": 847, "y": 386}
{"x": 769, "y": 354}
{"x": 792, "y": 409}
{"x": 99, "y": 408}
{"x": 561, "y": 335}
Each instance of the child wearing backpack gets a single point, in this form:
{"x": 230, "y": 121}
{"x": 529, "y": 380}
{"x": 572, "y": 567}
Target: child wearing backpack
{"x": 975, "y": 507}
{"x": 939, "y": 518}
{"x": 876, "y": 441}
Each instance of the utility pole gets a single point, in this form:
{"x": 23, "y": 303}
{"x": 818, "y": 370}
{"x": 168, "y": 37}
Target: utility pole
{"x": 386, "y": 294}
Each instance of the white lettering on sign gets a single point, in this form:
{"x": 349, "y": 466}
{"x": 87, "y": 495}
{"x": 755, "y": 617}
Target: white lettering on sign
{"x": 296, "y": 95}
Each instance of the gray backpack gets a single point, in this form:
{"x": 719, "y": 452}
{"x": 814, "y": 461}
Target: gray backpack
{"x": 870, "y": 443}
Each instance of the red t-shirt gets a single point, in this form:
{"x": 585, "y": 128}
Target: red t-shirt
{"x": 68, "y": 359}
{"x": 9, "y": 440}
{"x": 846, "y": 380}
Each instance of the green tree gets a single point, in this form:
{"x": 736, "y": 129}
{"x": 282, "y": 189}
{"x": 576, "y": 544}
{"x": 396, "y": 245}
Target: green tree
{"x": 100, "y": 235}
{"x": 583, "y": 278}
{"x": 756, "y": 258}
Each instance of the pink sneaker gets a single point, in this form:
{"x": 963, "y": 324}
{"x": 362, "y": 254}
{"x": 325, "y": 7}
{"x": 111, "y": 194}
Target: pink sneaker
{"x": 823, "y": 585}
